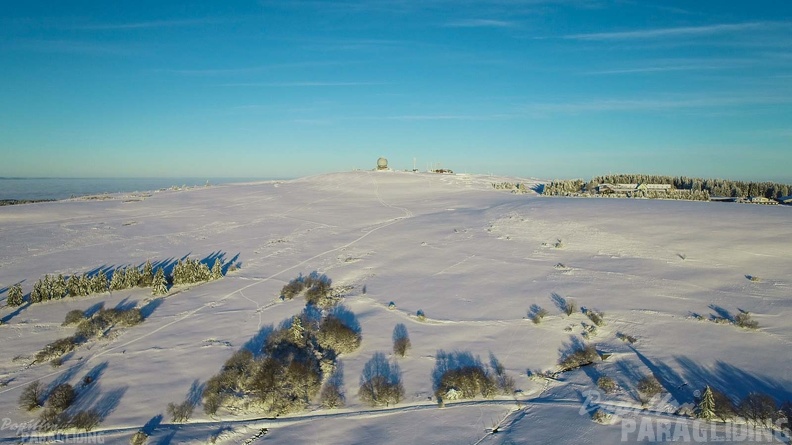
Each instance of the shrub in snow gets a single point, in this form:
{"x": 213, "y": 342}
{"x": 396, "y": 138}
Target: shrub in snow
{"x": 744, "y": 320}
{"x": 57, "y": 348}
{"x": 15, "y": 296}
{"x": 536, "y": 314}
{"x": 627, "y": 338}
{"x": 595, "y": 317}
{"x": 601, "y": 416}
{"x": 584, "y": 355}
{"x": 74, "y": 316}
{"x": 182, "y": 412}
{"x": 391, "y": 305}
{"x": 570, "y": 307}
{"x": 32, "y": 396}
{"x": 607, "y": 384}
{"x": 649, "y": 387}
{"x": 420, "y": 314}
{"x": 139, "y": 438}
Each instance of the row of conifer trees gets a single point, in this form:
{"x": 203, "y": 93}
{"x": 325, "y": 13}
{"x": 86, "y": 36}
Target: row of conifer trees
{"x": 56, "y": 287}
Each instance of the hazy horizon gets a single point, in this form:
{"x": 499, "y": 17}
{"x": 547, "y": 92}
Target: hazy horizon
{"x": 538, "y": 88}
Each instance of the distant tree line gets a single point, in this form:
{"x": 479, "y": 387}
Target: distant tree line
{"x": 715, "y": 187}
{"x": 683, "y": 187}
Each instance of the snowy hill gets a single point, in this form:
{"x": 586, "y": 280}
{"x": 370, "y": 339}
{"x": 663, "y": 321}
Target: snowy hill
{"x": 472, "y": 258}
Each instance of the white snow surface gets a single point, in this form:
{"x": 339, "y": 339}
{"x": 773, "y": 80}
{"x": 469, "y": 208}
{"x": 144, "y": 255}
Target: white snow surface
{"x": 473, "y": 258}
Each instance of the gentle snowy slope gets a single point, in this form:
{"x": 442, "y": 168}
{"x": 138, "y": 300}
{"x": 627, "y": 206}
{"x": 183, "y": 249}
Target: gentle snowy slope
{"x": 472, "y": 258}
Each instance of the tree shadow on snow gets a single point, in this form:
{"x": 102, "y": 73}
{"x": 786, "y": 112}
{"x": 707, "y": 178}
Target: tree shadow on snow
{"x": 379, "y": 366}
{"x": 559, "y": 301}
{"x": 8, "y": 317}
{"x": 256, "y": 343}
{"x": 721, "y": 312}
{"x": 346, "y": 316}
{"x": 671, "y": 381}
{"x": 732, "y": 381}
{"x": 150, "y": 307}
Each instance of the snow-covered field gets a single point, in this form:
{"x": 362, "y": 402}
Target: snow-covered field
{"x": 472, "y": 258}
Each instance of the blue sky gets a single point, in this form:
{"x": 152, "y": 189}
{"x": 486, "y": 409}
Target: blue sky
{"x": 271, "y": 88}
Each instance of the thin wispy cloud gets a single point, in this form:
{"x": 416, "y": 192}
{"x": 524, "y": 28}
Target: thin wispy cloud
{"x": 147, "y": 24}
{"x": 653, "y": 69}
{"x": 686, "y": 31}
{"x": 615, "y": 105}
{"x": 670, "y": 65}
{"x": 71, "y": 47}
{"x": 480, "y": 23}
{"x": 438, "y": 117}
{"x": 248, "y": 70}
{"x": 310, "y": 84}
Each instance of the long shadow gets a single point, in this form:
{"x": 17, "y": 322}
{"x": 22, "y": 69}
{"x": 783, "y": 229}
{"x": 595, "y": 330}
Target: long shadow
{"x": 4, "y": 289}
{"x": 94, "y": 374}
{"x": 125, "y": 304}
{"x": 721, "y": 312}
{"x": 672, "y": 382}
{"x": 17, "y": 311}
{"x": 379, "y": 366}
{"x": 559, "y": 301}
{"x": 196, "y": 392}
{"x": 150, "y": 307}
{"x": 626, "y": 378}
{"x": 65, "y": 376}
{"x": 538, "y": 188}
{"x": 346, "y": 316}
{"x": 152, "y": 425}
{"x": 256, "y": 343}
{"x": 96, "y": 307}
{"x": 109, "y": 401}
{"x": 732, "y": 381}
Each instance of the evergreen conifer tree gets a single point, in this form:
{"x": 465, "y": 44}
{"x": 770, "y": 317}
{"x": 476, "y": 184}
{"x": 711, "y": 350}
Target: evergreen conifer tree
{"x": 59, "y": 287}
{"x": 73, "y": 286}
{"x": 99, "y": 283}
{"x": 159, "y": 285}
{"x": 132, "y": 277}
{"x": 147, "y": 279}
{"x": 202, "y": 272}
{"x": 217, "y": 270}
{"x": 37, "y": 295}
{"x": 706, "y": 406}
{"x": 118, "y": 280}
{"x": 15, "y": 296}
